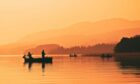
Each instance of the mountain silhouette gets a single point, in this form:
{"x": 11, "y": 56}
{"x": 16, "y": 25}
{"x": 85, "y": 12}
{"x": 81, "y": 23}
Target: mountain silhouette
{"x": 83, "y": 33}
{"x": 48, "y": 48}
{"x": 86, "y": 33}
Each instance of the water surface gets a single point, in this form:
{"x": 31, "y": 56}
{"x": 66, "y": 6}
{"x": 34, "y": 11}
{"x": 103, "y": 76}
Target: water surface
{"x": 66, "y": 70}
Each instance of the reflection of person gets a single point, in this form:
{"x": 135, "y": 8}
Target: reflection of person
{"x": 30, "y": 55}
{"x": 43, "y": 54}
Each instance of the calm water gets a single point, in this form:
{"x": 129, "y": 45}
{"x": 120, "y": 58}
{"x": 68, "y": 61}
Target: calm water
{"x": 65, "y": 70}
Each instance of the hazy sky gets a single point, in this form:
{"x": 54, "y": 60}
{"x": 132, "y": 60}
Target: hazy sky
{"x": 21, "y": 17}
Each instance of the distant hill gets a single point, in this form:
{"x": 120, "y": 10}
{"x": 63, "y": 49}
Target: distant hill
{"x": 94, "y": 49}
{"x": 80, "y": 34}
{"x": 128, "y": 45}
{"x": 56, "y": 49}
{"x": 48, "y": 48}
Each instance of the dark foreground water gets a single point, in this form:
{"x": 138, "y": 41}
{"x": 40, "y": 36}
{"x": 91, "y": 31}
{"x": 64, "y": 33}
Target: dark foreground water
{"x": 66, "y": 70}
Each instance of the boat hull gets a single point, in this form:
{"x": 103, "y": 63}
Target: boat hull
{"x": 39, "y": 60}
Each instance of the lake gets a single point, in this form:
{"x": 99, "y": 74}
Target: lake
{"x": 66, "y": 70}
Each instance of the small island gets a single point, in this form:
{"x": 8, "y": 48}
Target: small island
{"x": 128, "y": 50}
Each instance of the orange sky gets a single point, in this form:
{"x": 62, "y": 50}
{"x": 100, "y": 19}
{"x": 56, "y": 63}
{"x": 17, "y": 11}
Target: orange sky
{"x": 19, "y": 18}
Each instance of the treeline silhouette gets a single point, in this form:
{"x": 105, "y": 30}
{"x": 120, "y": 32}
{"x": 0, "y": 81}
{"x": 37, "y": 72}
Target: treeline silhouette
{"x": 95, "y": 49}
{"x": 128, "y": 44}
{"x": 56, "y": 49}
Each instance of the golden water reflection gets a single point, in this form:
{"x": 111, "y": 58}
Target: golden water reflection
{"x": 65, "y": 70}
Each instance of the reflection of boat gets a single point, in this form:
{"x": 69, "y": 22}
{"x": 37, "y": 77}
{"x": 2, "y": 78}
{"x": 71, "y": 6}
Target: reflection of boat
{"x": 30, "y": 64}
{"x": 38, "y": 60}
{"x": 73, "y": 55}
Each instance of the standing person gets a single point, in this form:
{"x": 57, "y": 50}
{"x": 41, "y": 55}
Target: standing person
{"x": 43, "y": 54}
{"x": 30, "y": 55}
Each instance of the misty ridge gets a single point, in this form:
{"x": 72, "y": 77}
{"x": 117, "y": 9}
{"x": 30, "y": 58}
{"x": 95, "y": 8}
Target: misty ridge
{"x": 88, "y": 50}
{"x": 86, "y": 33}
{"x": 81, "y": 37}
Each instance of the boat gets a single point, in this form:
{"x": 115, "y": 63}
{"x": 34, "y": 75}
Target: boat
{"x": 38, "y": 60}
{"x": 73, "y": 55}
{"x": 106, "y": 56}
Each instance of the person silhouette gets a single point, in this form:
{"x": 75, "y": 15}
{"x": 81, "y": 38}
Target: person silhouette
{"x": 24, "y": 56}
{"x": 43, "y": 54}
{"x": 30, "y": 55}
